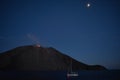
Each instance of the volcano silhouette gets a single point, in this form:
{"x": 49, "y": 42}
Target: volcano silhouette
{"x": 40, "y": 58}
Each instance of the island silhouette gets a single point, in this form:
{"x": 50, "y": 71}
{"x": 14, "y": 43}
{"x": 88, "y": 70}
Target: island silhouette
{"x": 38, "y": 58}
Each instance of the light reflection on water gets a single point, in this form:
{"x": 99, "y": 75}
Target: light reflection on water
{"x": 60, "y": 75}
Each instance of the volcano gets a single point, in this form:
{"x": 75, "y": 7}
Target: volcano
{"x": 40, "y": 59}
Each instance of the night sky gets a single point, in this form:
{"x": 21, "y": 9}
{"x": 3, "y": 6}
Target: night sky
{"x": 88, "y": 34}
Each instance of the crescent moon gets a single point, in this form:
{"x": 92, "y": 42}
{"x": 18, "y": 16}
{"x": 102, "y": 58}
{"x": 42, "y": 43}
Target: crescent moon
{"x": 88, "y": 5}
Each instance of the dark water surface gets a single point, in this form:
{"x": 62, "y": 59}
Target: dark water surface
{"x": 60, "y": 75}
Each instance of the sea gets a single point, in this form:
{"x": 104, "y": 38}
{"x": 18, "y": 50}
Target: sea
{"x": 60, "y": 75}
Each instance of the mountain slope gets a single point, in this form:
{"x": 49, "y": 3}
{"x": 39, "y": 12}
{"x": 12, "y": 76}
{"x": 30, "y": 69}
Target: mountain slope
{"x": 40, "y": 58}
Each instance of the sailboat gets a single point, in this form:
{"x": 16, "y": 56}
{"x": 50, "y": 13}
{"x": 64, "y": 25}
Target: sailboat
{"x": 71, "y": 73}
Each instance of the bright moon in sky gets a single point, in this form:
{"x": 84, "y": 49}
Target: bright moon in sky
{"x": 88, "y": 5}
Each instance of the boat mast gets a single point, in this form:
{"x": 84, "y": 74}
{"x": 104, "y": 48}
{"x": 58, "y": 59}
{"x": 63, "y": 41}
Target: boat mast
{"x": 71, "y": 65}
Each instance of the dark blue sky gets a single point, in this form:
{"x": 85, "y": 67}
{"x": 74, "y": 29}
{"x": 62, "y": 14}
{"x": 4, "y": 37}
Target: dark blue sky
{"x": 90, "y": 35}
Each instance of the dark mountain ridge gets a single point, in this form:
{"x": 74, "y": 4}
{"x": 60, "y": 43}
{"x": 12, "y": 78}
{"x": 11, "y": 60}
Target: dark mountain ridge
{"x": 40, "y": 58}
